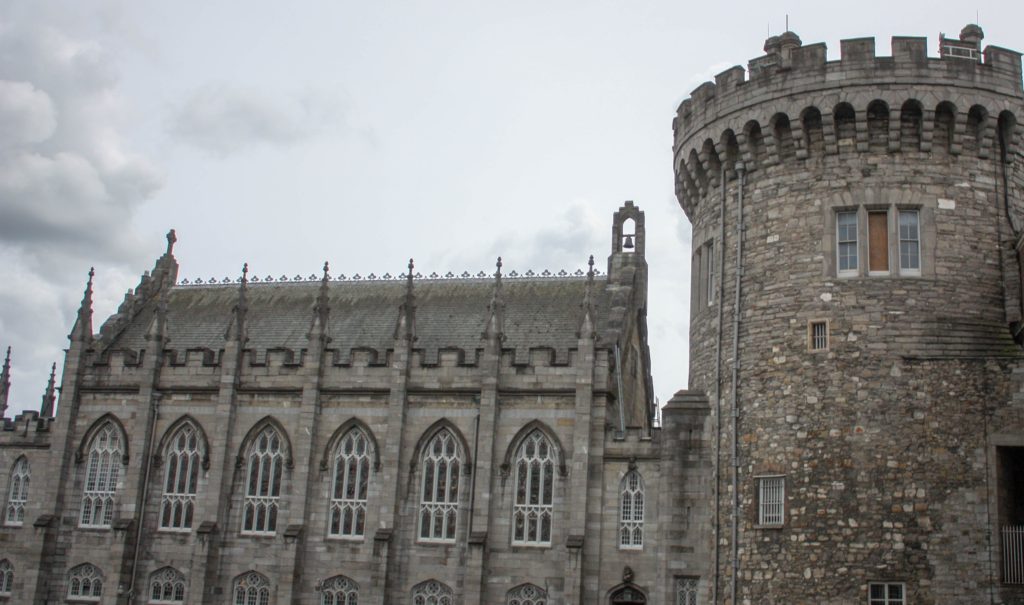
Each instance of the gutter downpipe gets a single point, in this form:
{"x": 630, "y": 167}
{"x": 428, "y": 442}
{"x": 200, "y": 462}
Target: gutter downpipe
{"x": 740, "y": 169}
{"x": 145, "y": 498}
{"x": 622, "y": 401}
{"x": 718, "y": 386}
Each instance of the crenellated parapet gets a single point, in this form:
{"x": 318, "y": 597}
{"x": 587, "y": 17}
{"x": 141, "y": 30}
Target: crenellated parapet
{"x": 792, "y": 105}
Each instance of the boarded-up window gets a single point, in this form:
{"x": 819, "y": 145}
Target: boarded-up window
{"x": 878, "y": 241}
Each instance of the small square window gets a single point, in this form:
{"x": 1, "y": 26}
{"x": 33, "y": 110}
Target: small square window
{"x": 771, "y": 500}
{"x": 817, "y": 335}
{"x": 886, "y": 593}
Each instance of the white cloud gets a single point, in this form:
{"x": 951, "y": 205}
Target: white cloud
{"x": 26, "y": 114}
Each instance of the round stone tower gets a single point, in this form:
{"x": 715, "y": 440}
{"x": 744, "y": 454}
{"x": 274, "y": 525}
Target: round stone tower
{"x": 855, "y": 299}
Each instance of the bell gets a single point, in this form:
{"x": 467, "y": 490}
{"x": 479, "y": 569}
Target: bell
{"x": 628, "y": 244}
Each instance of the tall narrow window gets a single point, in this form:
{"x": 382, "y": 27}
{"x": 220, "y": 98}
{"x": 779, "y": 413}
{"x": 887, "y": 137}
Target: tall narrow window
{"x": 878, "y": 242}
{"x": 686, "y": 590}
{"x": 846, "y": 236}
{"x": 351, "y": 479}
{"x": 771, "y": 500}
{"x": 631, "y": 514}
{"x": 439, "y": 506}
{"x": 910, "y": 243}
{"x": 182, "y": 457}
{"x": 85, "y": 583}
{"x": 710, "y": 251}
{"x": 263, "y": 483}
{"x": 167, "y": 587}
{"x": 535, "y": 477}
{"x": 101, "y": 477}
{"x": 817, "y": 335}
{"x": 886, "y": 593}
{"x": 432, "y": 593}
{"x": 252, "y": 588}
{"x": 527, "y": 594}
{"x": 339, "y": 590}
{"x": 17, "y": 495}
{"x": 6, "y": 578}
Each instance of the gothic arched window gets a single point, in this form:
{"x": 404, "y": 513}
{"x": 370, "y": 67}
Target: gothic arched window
{"x": 263, "y": 483}
{"x": 432, "y": 592}
{"x": 167, "y": 586}
{"x": 85, "y": 583}
{"x": 631, "y": 513}
{"x": 251, "y": 588}
{"x": 351, "y": 479}
{"x": 535, "y": 478}
{"x": 101, "y": 476}
{"x": 628, "y": 595}
{"x": 182, "y": 457}
{"x": 439, "y": 506}
{"x": 17, "y": 495}
{"x": 339, "y": 590}
{"x": 527, "y": 594}
{"x": 6, "y": 578}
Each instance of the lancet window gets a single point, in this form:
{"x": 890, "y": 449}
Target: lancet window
{"x": 339, "y": 590}
{"x": 181, "y": 477}
{"x": 349, "y": 489}
{"x": 6, "y": 578}
{"x": 251, "y": 588}
{"x": 631, "y": 513}
{"x": 533, "y": 507}
{"x": 527, "y": 594}
{"x": 265, "y": 467}
{"x": 439, "y": 505}
{"x": 85, "y": 583}
{"x": 432, "y": 593}
{"x": 17, "y": 494}
{"x": 167, "y": 587}
{"x": 102, "y": 473}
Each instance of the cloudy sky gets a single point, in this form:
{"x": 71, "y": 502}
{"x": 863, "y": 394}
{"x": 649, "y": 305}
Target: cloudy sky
{"x": 282, "y": 134}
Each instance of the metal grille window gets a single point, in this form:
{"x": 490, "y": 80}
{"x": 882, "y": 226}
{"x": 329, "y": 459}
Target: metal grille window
{"x": 910, "y": 242}
{"x": 527, "y": 594}
{"x": 252, "y": 589}
{"x": 167, "y": 587}
{"x": 439, "y": 506}
{"x": 846, "y": 236}
{"x": 17, "y": 495}
{"x": 686, "y": 590}
{"x": 535, "y": 476}
{"x": 819, "y": 336}
{"x": 771, "y": 500}
{"x": 6, "y": 578}
{"x": 631, "y": 514}
{"x": 886, "y": 593}
{"x": 339, "y": 590}
{"x": 432, "y": 593}
{"x": 182, "y": 457}
{"x": 85, "y": 583}
{"x": 351, "y": 479}
{"x": 101, "y": 476}
{"x": 263, "y": 483}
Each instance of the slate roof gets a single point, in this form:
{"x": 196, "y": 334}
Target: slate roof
{"x": 450, "y": 313}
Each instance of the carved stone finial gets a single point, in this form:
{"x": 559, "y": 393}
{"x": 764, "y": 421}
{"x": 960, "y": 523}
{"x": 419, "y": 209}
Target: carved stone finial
{"x": 49, "y": 396}
{"x": 590, "y": 272}
{"x": 327, "y": 268}
{"x": 171, "y": 238}
{"x": 498, "y": 265}
{"x": 5, "y": 383}
{"x": 245, "y": 273}
{"x": 82, "y": 330}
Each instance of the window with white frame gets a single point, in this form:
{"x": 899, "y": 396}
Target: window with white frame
{"x": 631, "y": 512}
{"x": 886, "y": 593}
{"x": 102, "y": 473}
{"x": 910, "y": 242}
{"x": 265, "y": 467}
{"x": 183, "y": 458}
{"x": 771, "y": 500}
{"x": 17, "y": 494}
{"x": 439, "y": 505}
{"x": 686, "y": 590}
{"x": 351, "y": 480}
{"x": 534, "y": 491}
{"x": 6, "y": 578}
{"x": 85, "y": 583}
{"x": 167, "y": 587}
{"x": 251, "y": 588}
{"x": 339, "y": 590}
{"x": 846, "y": 242}
{"x": 527, "y": 594}
{"x": 432, "y": 592}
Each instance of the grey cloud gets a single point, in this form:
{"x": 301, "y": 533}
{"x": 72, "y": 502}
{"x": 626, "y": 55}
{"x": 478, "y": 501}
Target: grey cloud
{"x": 222, "y": 119}
{"x": 26, "y": 113}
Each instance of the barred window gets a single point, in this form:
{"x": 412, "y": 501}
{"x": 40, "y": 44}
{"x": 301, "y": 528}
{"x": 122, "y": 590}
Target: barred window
{"x": 686, "y": 590}
{"x": 351, "y": 479}
{"x": 182, "y": 456}
{"x": 817, "y": 335}
{"x": 263, "y": 483}
{"x": 527, "y": 594}
{"x": 17, "y": 495}
{"x": 101, "y": 476}
{"x": 439, "y": 506}
{"x": 85, "y": 583}
{"x": 6, "y": 578}
{"x": 252, "y": 588}
{"x": 432, "y": 592}
{"x": 535, "y": 477}
{"x": 771, "y": 500}
{"x": 167, "y": 587}
{"x": 886, "y": 593}
{"x": 339, "y": 590}
{"x": 631, "y": 514}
